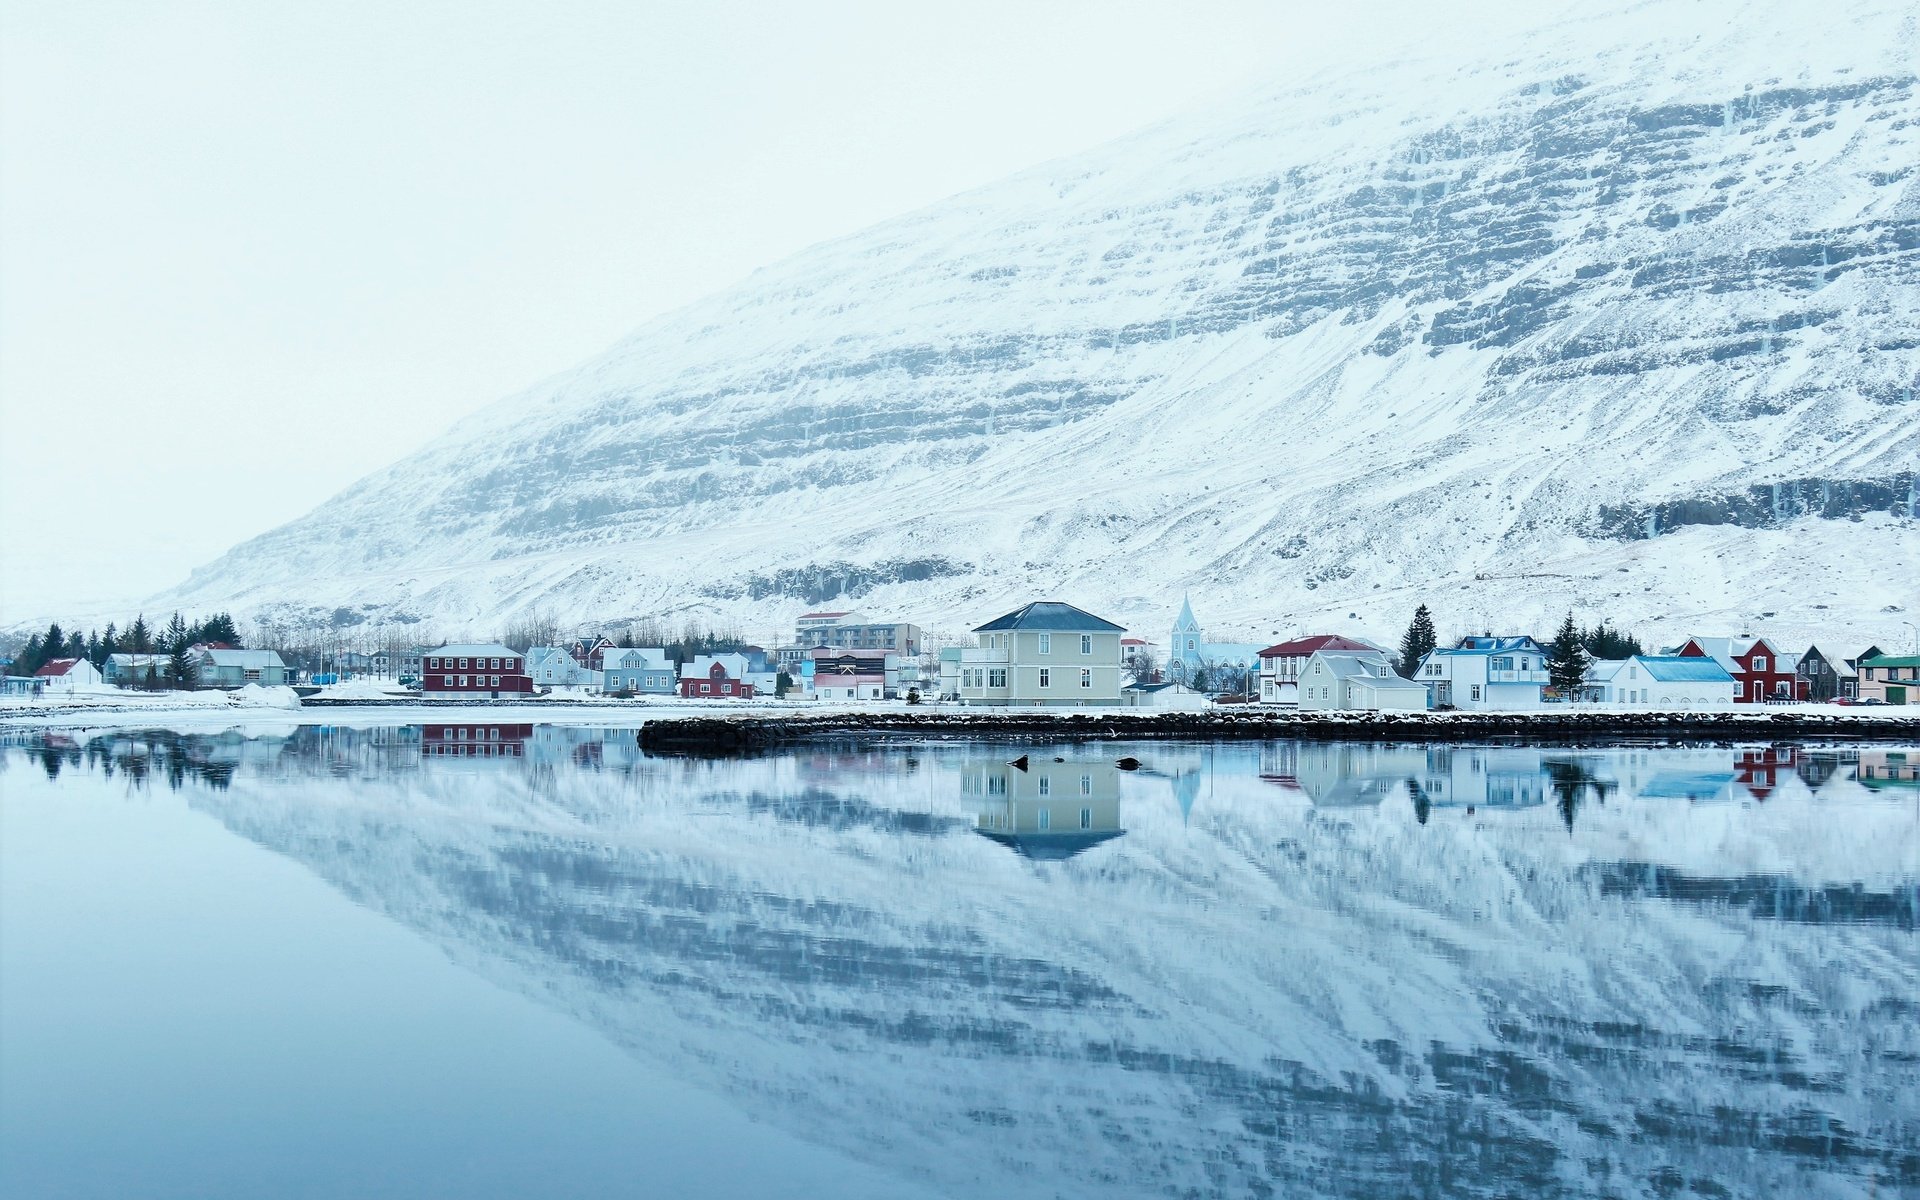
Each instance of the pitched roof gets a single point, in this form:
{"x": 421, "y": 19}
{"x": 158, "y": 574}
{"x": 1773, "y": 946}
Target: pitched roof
{"x": 472, "y": 650}
{"x": 812, "y": 615}
{"x": 1318, "y": 641}
{"x": 244, "y": 659}
{"x": 56, "y": 667}
{"x": 1672, "y": 668}
{"x": 1893, "y": 660}
{"x": 1479, "y": 644}
{"x": 1051, "y": 615}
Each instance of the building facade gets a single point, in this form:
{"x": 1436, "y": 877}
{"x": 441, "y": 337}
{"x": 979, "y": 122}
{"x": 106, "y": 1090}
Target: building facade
{"x": 1660, "y": 681}
{"x": 219, "y": 667}
{"x": 1480, "y": 673}
{"x": 644, "y": 671}
{"x": 1760, "y": 673}
{"x": 474, "y": 671}
{"x": 555, "y": 666}
{"x": 1047, "y": 653}
{"x": 1281, "y": 664}
{"x": 716, "y": 677}
{"x": 1890, "y": 679}
{"x": 852, "y": 631}
{"x": 1357, "y": 680}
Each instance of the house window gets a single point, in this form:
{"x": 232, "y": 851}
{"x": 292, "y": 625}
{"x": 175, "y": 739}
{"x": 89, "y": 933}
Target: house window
{"x": 1473, "y": 693}
{"x": 1086, "y": 643}
{"x": 1086, "y": 818}
{"x": 463, "y": 664}
{"x": 1046, "y": 677}
{"x": 1086, "y": 785}
{"x": 448, "y": 681}
{"x": 1086, "y": 677}
{"x": 1046, "y": 789}
{"x": 253, "y": 674}
{"x": 1046, "y": 814}
{"x": 1759, "y": 662}
{"x": 997, "y": 677}
{"x": 706, "y": 687}
{"x": 1046, "y": 643}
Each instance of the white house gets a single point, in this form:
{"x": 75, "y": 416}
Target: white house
{"x": 65, "y": 676}
{"x": 1166, "y": 697}
{"x": 1486, "y": 673}
{"x": 1661, "y": 681}
{"x": 1357, "y": 679}
{"x": 1280, "y": 665}
{"x": 555, "y": 666}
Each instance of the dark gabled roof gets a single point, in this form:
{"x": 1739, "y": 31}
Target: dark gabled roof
{"x": 1052, "y": 847}
{"x": 56, "y": 667}
{"x": 1051, "y": 615}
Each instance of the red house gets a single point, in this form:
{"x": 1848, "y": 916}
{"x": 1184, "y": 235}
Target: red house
{"x": 474, "y": 741}
{"x": 1760, "y": 673}
{"x": 716, "y": 677}
{"x": 473, "y": 672}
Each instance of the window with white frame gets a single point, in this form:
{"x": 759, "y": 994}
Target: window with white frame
{"x": 1086, "y": 643}
{"x": 1473, "y": 692}
{"x": 1046, "y": 789}
{"x": 1046, "y": 814}
{"x": 1086, "y": 818}
{"x": 1086, "y": 785}
{"x": 997, "y": 677}
{"x": 1046, "y": 677}
{"x": 1046, "y": 643}
{"x": 1086, "y": 677}
{"x": 1759, "y": 662}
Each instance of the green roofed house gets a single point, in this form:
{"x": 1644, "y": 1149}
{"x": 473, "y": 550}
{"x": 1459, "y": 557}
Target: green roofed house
{"x": 1047, "y": 653}
{"x": 1892, "y": 678}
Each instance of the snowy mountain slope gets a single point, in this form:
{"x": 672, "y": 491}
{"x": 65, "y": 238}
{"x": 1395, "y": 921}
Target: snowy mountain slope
{"x": 1619, "y": 314}
{"x": 1247, "y": 991}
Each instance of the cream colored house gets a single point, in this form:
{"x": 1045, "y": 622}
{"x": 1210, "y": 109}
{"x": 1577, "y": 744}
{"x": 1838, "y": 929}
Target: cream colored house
{"x": 1351, "y": 679}
{"x": 1047, "y": 653}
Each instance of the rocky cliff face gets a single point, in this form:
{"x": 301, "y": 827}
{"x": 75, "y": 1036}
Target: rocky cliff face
{"x": 1556, "y": 325}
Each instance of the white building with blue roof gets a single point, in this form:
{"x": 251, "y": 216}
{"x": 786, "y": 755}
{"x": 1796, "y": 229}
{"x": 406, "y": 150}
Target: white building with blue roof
{"x": 1479, "y": 673}
{"x": 1189, "y": 652}
{"x": 1661, "y": 681}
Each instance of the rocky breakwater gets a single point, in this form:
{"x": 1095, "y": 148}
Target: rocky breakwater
{"x": 748, "y": 733}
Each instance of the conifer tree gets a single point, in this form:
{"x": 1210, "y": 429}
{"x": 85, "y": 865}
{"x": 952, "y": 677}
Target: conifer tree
{"x": 139, "y": 637}
{"x": 181, "y": 673}
{"x": 177, "y": 637}
{"x": 52, "y": 645}
{"x": 30, "y": 658}
{"x": 1418, "y": 641}
{"x": 1567, "y": 659}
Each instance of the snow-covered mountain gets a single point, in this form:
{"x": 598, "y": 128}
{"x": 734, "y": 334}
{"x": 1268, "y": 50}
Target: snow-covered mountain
{"x": 1623, "y": 315}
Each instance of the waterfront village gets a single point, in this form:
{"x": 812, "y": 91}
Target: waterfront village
{"x": 1044, "y": 654}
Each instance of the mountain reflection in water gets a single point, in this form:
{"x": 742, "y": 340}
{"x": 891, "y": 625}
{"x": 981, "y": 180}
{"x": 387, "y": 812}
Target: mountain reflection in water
{"x": 1310, "y": 969}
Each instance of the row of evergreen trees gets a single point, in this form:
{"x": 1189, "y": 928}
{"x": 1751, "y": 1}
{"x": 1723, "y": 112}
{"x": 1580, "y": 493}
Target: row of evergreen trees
{"x": 172, "y": 640}
{"x": 1571, "y": 652}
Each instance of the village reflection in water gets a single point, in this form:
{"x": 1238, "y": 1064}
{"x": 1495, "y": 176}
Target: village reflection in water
{"x": 1164, "y": 968}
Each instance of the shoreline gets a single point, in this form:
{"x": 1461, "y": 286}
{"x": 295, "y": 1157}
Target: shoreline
{"x": 704, "y": 728}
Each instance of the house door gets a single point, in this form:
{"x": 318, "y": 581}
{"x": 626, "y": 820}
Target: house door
{"x": 1443, "y": 693}
{"x": 1896, "y": 695}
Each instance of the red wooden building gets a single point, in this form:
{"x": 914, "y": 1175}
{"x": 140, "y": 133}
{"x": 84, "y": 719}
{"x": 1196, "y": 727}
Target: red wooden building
{"x": 472, "y": 672}
{"x": 1760, "y": 673}
{"x": 716, "y": 677}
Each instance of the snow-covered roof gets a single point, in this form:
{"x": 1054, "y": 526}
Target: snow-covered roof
{"x": 56, "y": 667}
{"x": 472, "y": 650}
{"x": 1494, "y": 645}
{"x": 702, "y": 666}
{"x": 1318, "y": 641}
{"x": 636, "y": 658}
{"x": 1672, "y": 668}
{"x": 247, "y": 660}
{"x": 1052, "y": 616}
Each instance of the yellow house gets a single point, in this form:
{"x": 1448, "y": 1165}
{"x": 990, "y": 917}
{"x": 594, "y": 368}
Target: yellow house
{"x": 1047, "y": 653}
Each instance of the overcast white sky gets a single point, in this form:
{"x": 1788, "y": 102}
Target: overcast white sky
{"x": 250, "y": 252}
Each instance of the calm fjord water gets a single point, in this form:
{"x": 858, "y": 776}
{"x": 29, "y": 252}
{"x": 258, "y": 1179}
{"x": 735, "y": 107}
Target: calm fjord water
{"x": 531, "y": 961}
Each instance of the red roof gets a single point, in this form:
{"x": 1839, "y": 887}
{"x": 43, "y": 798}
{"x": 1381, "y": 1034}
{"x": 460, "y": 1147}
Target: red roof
{"x": 1133, "y": 641}
{"x": 1307, "y": 645}
{"x": 55, "y": 667}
